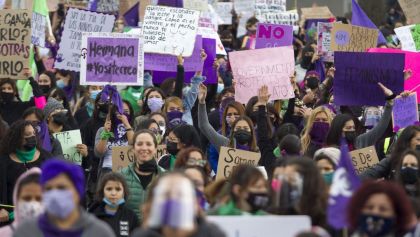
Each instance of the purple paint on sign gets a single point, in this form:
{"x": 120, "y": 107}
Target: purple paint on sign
{"x": 112, "y": 60}
{"x": 272, "y": 35}
{"x": 342, "y": 37}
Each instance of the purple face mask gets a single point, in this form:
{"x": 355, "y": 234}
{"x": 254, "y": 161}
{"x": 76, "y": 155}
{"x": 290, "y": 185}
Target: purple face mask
{"x": 319, "y": 132}
{"x": 174, "y": 118}
{"x": 58, "y": 203}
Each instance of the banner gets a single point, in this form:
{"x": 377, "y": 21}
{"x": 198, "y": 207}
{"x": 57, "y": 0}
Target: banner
{"x": 224, "y": 10}
{"x": 255, "y": 68}
{"x": 290, "y": 18}
{"x": 123, "y": 156}
{"x": 324, "y": 41}
{"x": 169, "y": 30}
{"x": 15, "y": 38}
{"x": 79, "y": 21}
{"x": 169, "y": 63}
{"x": 316, "y": 13}
{"x": 411, "y": 10}
{"x": 405, "y": 112}
{"x": 364, "y": 158}
{"x": 271, "y": 36}
{"x": 69, "y": 140}
{"x": 111, "y": 58}
{"x": 406, "y": 38}
{"x": 39, "y": 25}
{"x": 357, "y": 76}
{"x": 352, "y": 38}
{"x": 229, "y": 158}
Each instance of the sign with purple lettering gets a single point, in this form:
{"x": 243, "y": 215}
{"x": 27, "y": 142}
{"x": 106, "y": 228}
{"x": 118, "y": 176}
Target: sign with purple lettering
{"x": 111, "y": 58}
{"x": 357, "y": 76}
{"x": 405, "y": 112}
{"x": 272, "y": 35}
{"x": 168, "y": 63}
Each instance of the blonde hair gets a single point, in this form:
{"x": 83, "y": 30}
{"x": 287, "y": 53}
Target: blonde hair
{"x": 174, "y": 100}
{"x": 306, "y": 138}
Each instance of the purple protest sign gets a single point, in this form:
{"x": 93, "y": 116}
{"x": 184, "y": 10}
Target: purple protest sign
{"x": 171, "y": 3}
{"x": 168, "y": 63}
{"x": 405, "y": 112}
{"x": 272, "y": 35}
{"x": 111, "y": 58}
{"x": 357, "y": 76}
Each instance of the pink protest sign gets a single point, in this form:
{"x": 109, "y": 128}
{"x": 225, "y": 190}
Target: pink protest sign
{"x": 255, "y": 68}
{"x": 412, "y": 61}
{"x": 272, "y": 35}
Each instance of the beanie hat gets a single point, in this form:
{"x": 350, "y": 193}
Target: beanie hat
{"x": 54, "y": 167}
{"x": 51, "y": 106}
{"x": 333, "y": 154}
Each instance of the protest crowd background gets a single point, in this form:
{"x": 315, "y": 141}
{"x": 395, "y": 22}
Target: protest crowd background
{"x": 209, "y": 118}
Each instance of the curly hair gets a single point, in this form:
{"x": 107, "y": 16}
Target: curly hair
{"x": 14, "y": 137}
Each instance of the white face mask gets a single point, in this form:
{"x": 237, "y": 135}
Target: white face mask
{"x": 29, "y": 210}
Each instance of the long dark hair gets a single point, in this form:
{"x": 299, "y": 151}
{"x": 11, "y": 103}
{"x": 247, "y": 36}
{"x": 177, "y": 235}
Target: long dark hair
{"x": 336, "y": 129}
{"x": 187, "y": 135}
{"x": 14, "y": 137}
{"x": 13, "y": 84}
{"x": 146, "y": 109}
{"x": 398, "y": 177}
{"x": 253, "y": 143}
{"x": 402, "y": 144}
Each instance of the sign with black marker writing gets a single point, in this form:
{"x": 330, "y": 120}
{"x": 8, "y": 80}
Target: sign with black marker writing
{"x": 351, "y": 38}
{"x": 79, "y": 21}
{"x": 69, "y": 140}
{"x": 39, "y": 23}
{"x": 169, "y": 30}
{"x": 363, "y": 159}
{"x": 123, "y": 156}
{"x": 15, "y": 38}
{"x": 229, "y": 158}
{"x": 108, "y": 6}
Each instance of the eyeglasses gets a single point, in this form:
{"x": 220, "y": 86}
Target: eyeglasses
{"x": 196, "y": 162}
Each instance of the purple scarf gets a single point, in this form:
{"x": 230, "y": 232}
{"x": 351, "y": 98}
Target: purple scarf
{"x": 242, "y": 147}
{"x": 49, "y": 230}
{"x": 115, "y": 100}
{"x": 44, "y": 136}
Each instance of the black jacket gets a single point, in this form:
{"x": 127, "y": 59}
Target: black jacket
{"x": 122, "y": 223}
{"x": 265, "y": 143}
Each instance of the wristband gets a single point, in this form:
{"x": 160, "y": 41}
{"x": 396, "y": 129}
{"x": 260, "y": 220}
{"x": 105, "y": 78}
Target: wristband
{"x": 106, "y": 135}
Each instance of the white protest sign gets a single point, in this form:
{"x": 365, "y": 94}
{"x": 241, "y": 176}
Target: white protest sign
{"x": 78, "y": 21}
{"x": 68, "y": 141}
{"x": 200, "y": 5}
{"x": 224, "y": 10}
{"x": 209, "y": 19}
{"x": 269, "y": 6}
{"x": 211, "y": 34}
{"x": 244, "y": 8}
{"x": 38, "y": 24}
{"x": 108, "y": 6}
{"x": 262, "y": 226}
{"x": 406, "y": 38}
{"x": 169, "y": 30}
{"x": 280, "y": 18}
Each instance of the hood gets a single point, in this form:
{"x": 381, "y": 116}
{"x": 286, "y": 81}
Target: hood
{"x": 34, "y": 170}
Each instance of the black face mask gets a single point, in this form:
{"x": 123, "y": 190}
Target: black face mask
{"x": 409, "y": 175}
{"x": 148, "y": 166}
{"x": 44, "y": 88}
{"x": 7, "y": 97}
{"x": 242, "y": 136}
{"x": 59, "y": 119}
{"x": 257, "y": 201}
{"x": 30, "y": 143}
{"x": 103, "y": 108}
{"x": 312, "y": 83}
{"x": 350, "y": 137}
{"x": 171, "y": 147}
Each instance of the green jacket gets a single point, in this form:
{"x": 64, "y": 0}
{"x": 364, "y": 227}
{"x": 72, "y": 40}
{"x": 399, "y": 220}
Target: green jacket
{"x": 137, "y": 194}
{"x": 230, "y": 209}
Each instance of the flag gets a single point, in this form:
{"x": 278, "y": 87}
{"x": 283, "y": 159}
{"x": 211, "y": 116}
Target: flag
{"x": 359, "y": 18}
{"x": 93, "y": 5}
{"x": 41, "y": 7}
{"x": 345, "y": 182}
{"x": 132, "y": 15}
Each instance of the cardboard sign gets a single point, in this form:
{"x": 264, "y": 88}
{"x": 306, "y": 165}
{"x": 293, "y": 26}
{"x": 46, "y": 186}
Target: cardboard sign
{"x": 255, "y": 68}
{"x": 324, "y": 41}
{"x": 199, "y": 5}
{"x": 108, "y": 6}
{"x": 316, "y": 13}
{"x": 79, "y": 21}
{"x": 351, "y": 38}
{"x": 111, "y": 58}
{"x": 267, "y": 226}
{"x": 123, "y": 156}
{"x": 357, "y": 76}
{"x": 69, "y": 140}
{"x": 406, "y": 38}
{"x": 271, "y": 36}
{"x": 15, "y": 38}
{"x": 405, "y": 112}
{"x": 169, "y": 30}
{"x": 39, "y": 24}
{"x": 415, "y": 32}
{"x": 364, "y": 158}
{"x": 411, "y": 9}
{"x": 229, "y": 158}
{"x": 224, "y": 10}
{"x": 169, "y": 63}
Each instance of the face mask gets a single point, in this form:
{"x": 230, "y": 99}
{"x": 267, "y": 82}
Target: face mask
{"x": 44, "y": 88}
{"x": 112, "y": 205}
{"x": 375, "y": 226}
{"x": 319, "y": 132}
{"x": 350, "y": 136}
{"x": 328, "y": 177}
{"x": 409, "y": 175}
{"x": 242, "y": 137}
{"x": 103, "y": 108}
{"x": 94, "y": 94}
{"x": 7, "y": 97}
{"x": 312, "y": 82}
{"x": 58, "y": 203}
{"x": 59, "y": 119}
{"x": 155, "y": 104}
{"x": 30, "y": 143}
{"x": 220, "y": 87}
{"x": 171, "y": 147}
{"x": 257, "y": 201}
{"x": 174, "y": 118}
{"x": 372, "y": 120}
{"x": 148, "y": 166}
{"x": 60, "y": 84}
{"x": 29, "y": 210}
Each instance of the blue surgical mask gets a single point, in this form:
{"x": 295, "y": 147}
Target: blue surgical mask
{"x": 112, "y": 205}
{"x": 58, "y": 203}
{"x": 60, "y": 84}
{"x": 220, "y": 87}
{"x": 94, "y": 94}
{"x": 328, "y": 177}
